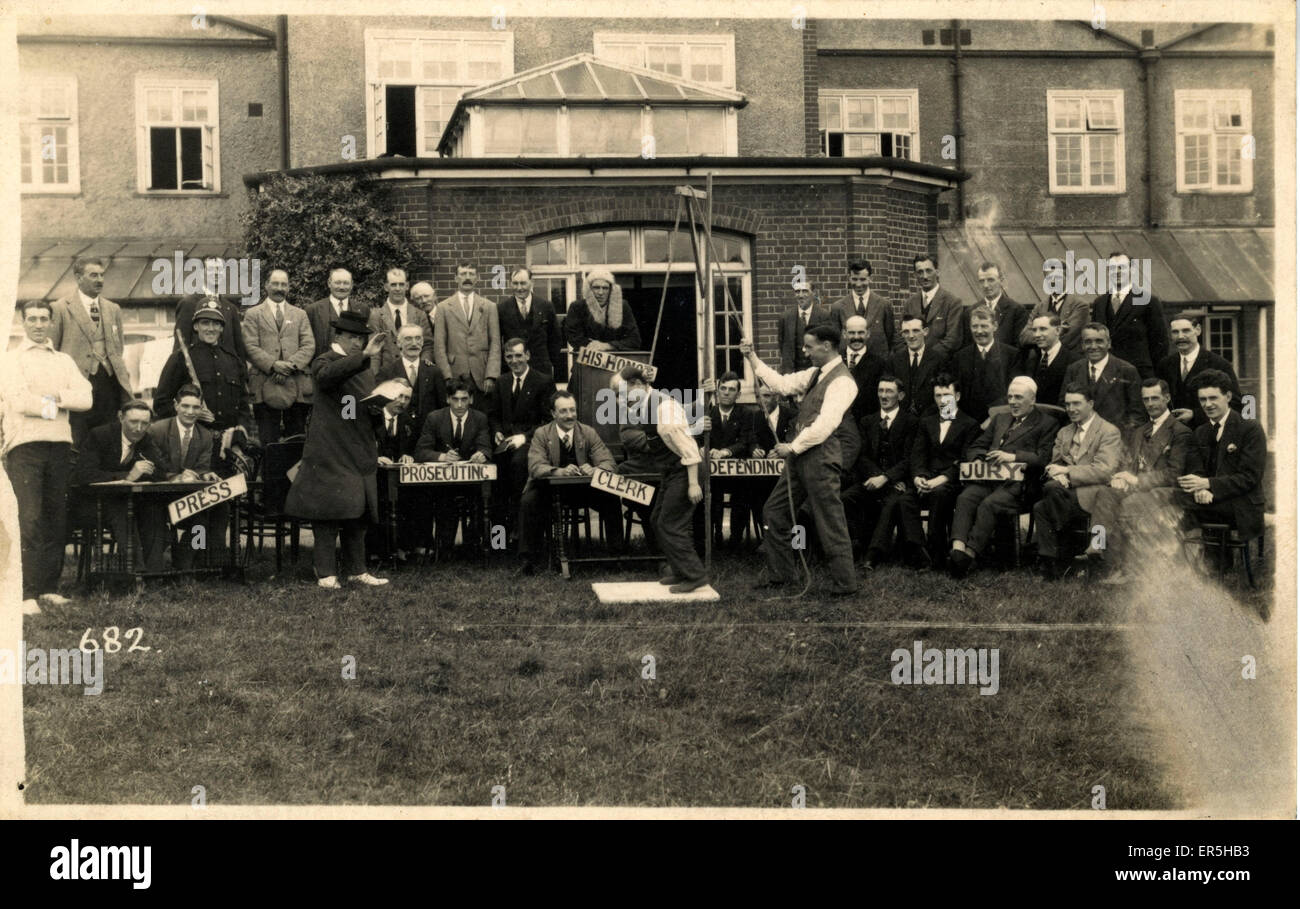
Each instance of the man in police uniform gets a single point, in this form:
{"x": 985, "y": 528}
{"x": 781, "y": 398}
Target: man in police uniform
{"x": 225, "y": 393}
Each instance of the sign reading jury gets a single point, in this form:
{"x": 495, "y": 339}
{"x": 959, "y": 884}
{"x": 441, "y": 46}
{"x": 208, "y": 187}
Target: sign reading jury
{"x": 447, "y": 472}
{"x": 603, "y": 359}
{"x": 988, "y": 472}
{"x": 208, "y": 497}
{"x": 623, "y": 487}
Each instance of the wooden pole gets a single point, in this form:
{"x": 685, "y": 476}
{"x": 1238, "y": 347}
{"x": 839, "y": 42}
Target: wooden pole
{"x": 710, "y": 364}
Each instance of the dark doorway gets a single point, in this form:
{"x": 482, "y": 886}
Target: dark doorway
{"x": 399, "y": 105}
{"x": 676, "y": 352}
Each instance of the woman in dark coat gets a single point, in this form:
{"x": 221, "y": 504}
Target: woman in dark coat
{"x": 601, "y": 320}
{"x": 335, "y": 487}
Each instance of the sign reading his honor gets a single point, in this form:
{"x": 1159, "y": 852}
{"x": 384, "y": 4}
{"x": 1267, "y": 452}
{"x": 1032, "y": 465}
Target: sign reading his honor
{"x": 603, "y": 359}
{"x": 447, "y": 472}
{"x": 621, "y": 486}
{"x": 747, "y": 467}
{"x": 987, "y": 472}
{"x": 207, "y": 497}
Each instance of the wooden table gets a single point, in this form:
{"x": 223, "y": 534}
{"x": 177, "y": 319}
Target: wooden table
{"x": 458, "y": 475}
{"x": 562, "y": 488}
{"x": 127, "y": 563}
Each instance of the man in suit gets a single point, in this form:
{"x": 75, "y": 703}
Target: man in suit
{"x": 428, "y": 391}
{"x": 1136, "y": 321}
{"x": 941, "y": 313}
{"x": 88, "y": 328}
{"x": 280, "y": 348}
{"x": 873, "y": 309}
{"x": 1180, "y": 369}
{"x": 391, "y": 316}
{"x": 941, "y": 439}
{"x": 529, "y": 317}
{"x": 813, "y": 465}
{"x": 1225, "y": 466}
{"x": 871, "y": 502}
{"x": 1114, "y": 383}
{"x": 395, "y": 440}
{"x": 801, "y": 315}
{"x": 520, "y": 404}
{"x": 772, "y": 422}
{"x": 185, "y": 448}
{"x": 1023, "y": 435}
{"x": 916, "y": 364}
{"x": 1144, "y": 484}
{"x": 335, "y": 487}
{"x": 1072, "y": 312}
{"x": 324, "y": 311}
{"x": 864, "y": 365}
{"x": 563, "y": 447}
{"x": 467, "y": 334}
{"x": 122, "y": 451}
{"x": 422, "y": 296}
{"x": 1009, "y": 317}
{"x": 455, "y": 433}
{"x": 225, "y": 393}
{"x": 1085, "y": 456}
{"x": 214, "y": 282}
{"x": 1049, "y": 358}
{"x": 984, "y": 366}
{"x": 731, "y": 435}
{"x": 39, "y": 389}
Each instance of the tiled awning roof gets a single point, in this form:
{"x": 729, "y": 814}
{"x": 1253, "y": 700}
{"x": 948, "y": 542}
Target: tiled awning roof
{"x": 1195, "y": 265}
{"x": 45, "y": 269}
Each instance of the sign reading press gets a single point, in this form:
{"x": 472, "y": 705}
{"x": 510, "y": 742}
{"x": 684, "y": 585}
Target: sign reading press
{"x": 603, "y": 359}
{"x": 208, "y": 497}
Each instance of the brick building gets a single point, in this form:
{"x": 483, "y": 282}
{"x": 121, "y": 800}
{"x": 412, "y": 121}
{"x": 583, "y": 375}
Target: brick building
{"x": 840, "y": 137}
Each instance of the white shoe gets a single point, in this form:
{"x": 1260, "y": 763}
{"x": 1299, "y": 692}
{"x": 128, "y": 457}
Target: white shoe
{"x": 54, "y": 599}
{"x": 368, "y": 579}
{"x": 330, "y": 583}
{"x": 31, "y": 607}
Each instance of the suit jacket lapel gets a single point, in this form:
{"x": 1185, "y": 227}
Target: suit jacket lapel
{"x": 82, "y": 318}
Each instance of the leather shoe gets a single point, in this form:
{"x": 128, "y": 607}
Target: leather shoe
{"x": 959, "y": 563}
{"x": 688, "y": 586}
{"x": 670, "y": 579}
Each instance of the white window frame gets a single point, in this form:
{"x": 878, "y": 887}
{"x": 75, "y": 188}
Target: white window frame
{"x": 685, "y": 43}
{"x": 912, "y": 96}
{"x": 1115, "y": 95}
{"x": 211, "y": 141}
{"x": 376, "y": 85}
{"x": 476, "y": 132}
{"x": 1232, "y": 317}
{"x": 1181, "y": 97}
{"x": 31, "y": 87}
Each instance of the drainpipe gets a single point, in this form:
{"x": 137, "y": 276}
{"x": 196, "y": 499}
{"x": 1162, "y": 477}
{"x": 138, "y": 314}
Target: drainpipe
{"x": 282, "y": 58}
{"x": 1149, "y": 57}
{"x": 958, "y": 131}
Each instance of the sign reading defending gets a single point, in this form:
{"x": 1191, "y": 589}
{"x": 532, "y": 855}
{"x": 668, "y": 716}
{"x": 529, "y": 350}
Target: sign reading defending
{"x": 603, "y": 359}
{"x": 986, "y": 472}
{"x": 188, "y": 506}
{"x": 449, "y": 472}
{"x": 621, "y": 486}
{"x": 747, "y": 467}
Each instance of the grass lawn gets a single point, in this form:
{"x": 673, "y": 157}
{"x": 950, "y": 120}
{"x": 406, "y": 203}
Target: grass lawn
{"x": 468, "y": 679}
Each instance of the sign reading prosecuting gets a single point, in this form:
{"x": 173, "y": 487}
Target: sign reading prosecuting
{"x": 986, "y": 472}
{"x": 621, "y": 486}
{"x": 188, "y": 506}
{"x": 603, "y": 359}
{"x": 447, "y": 472}
{"x": 747, "y": 467}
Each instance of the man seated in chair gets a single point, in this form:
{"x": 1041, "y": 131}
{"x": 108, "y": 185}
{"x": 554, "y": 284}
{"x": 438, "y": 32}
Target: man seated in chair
{"x": 1139, "y": 498}
{"x": 731, "y": 435}
{"x": 454, "y": 433}
{"x": 1085, "y": 456}
{"x": 1225, "y": 466}
{"x": 1022, "y": 435}
{"x": 186, "y": 449}
{"x": 395, "y": 435}
{"x": 122, "y": 451}
{"x": 564, "y": 447}
{"x": 872, "y": 500}
{"x": 941, "y": 440}
{"x": 519, "y": 404}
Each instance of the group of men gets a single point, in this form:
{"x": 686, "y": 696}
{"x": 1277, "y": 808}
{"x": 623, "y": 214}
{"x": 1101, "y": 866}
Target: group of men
{"x": 873, "y": 413}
